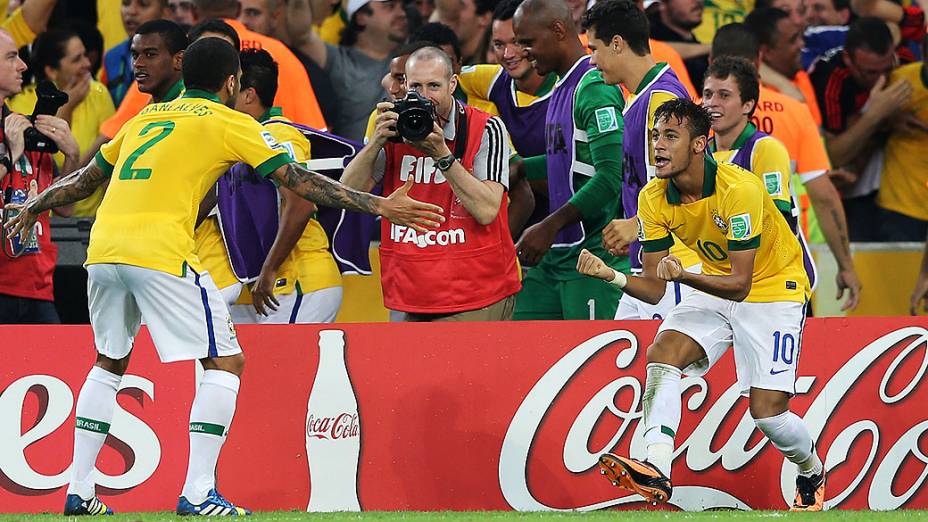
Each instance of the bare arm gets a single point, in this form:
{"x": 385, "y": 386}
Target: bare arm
{"x": 36, "y": 14}
{"x": 521, "y": 206}
{"x": 359, "y": 172}
{"x": 832, "y": 220}
{"x": 66, "y": 190}
{"x": 299, "y": 18}
{"x": 735, "y": 286}
{"x": 690, "y": 50}
{"x": 399, "y": 208}
{"x": 294, "y": 217}
{"x": 883, "y": 103}
{"x": 646, "y": 287}
{"x": 780, "y": 82}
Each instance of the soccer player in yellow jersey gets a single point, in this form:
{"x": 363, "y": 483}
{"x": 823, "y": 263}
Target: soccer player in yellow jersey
{"x": 299, "y": 282}
{"x": 751, "y": 293}
{"x": 141, "y": 262}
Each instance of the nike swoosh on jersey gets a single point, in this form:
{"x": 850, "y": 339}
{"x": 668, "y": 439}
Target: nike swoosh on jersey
{"x": 778, "y": 371}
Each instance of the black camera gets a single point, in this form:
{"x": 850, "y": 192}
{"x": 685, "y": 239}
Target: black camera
{"x": 416, "y": 119}
{"x": 49, "y": 100}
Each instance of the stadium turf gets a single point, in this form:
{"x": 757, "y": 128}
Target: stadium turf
{"x": 610, "y": 516}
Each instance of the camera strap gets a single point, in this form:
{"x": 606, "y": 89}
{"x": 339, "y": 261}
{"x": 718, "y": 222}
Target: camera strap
{"x": 460, "y": 132}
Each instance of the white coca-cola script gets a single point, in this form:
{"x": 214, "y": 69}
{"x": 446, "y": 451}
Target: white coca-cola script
{"x": 342, "y": 426}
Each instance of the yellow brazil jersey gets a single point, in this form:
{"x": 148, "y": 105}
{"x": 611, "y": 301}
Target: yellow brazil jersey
{"x": 476, "y": 81}
{"x": 904, "y": 186}
{"x": 96, "y": 108}
{"x": 309, "y": 265}
{"x": 330, "y": 30}
{"x": 769, "y": 161}
{"x": 162, "y": 162}
{"x": 717, "y": 13}
{"x": 211, "y": 251}
{"x": 734, "y": 213}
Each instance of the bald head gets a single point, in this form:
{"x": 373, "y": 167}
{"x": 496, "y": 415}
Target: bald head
{"x": 431, "y": 54}
{"x": 546, "y": 13}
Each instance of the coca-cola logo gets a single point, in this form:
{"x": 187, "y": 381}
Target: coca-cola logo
{"x": 342, "y": 426}
{"x": 700, "y": 450}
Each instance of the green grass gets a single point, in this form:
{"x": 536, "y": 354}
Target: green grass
{"x": 599, "y": 516}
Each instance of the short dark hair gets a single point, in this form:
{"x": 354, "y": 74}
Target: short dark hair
{"x": 485, "y": 6}
{"x": 763, "y": 23}
{"x": 735, "y": 39}
{"x": 48, "y": 50}
{"x": 870, "y": 34}
{"x": 259, "y": 71}
{"x": 697, "y": 118}
{"x": 215, "y": 26}
{"x": 208, "y": 63}
{"x": 411, "y": 47}
{"x": 353, "y": 29}
{"x": 438, "y": 34}
{"x": 744, "y": 73}
{"x": 610, "y": 18}
{"x": 506, "y": 9}
{"x": 175, "y": 39}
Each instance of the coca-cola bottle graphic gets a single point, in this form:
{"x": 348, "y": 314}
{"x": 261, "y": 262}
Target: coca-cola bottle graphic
{"x": 333, "y": 431}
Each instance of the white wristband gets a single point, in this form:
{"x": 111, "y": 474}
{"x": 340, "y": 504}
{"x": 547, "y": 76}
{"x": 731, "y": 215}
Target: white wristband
{"x": 618, "y": 279}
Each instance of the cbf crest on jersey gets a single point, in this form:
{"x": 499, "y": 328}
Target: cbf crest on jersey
{"x": 719, "y": 222}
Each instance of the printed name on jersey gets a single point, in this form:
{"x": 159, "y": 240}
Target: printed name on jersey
{"x": 773, "y": 183}
{"x": 719, "y": 222}
{"x": 740, "y": 226}
{"x": 606, "y": 119}
{"x": 423, "y": 170}
{"x": 402, "y": 234}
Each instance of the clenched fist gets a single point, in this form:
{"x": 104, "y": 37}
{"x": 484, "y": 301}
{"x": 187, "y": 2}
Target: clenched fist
{"x": 590, "y": 265}
{"x": 669, "y": 268}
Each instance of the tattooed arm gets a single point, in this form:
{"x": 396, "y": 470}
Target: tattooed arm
{"x": 66, "y": 190}
{"x": 399, "y": 208}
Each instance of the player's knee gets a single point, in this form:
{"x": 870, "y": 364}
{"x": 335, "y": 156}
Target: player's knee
{"x": 767, "y": 403}
{"x": 234, "y": 364}
{"x": 664, "y": 353}
{"x": 114, "y": 366}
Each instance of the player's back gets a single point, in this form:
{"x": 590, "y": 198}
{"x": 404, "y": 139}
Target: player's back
{"x": 162, "y": 162}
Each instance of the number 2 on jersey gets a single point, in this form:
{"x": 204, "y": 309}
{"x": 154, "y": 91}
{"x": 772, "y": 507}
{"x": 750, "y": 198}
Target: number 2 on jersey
{"x": 127, "y": 172}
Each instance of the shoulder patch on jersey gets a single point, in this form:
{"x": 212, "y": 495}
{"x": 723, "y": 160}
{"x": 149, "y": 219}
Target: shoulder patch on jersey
{"x": 269, "y": 139}
{"x": 740, "y": 226}
{"x": 606, "y": 119}
{"x": 772, "y": 180}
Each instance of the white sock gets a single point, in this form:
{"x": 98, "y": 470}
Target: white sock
{"x": 789, "y": 434}
{"x": 662, "y": 408}
{"x": 210, "y": 418}
{"x": 94, "y": 414}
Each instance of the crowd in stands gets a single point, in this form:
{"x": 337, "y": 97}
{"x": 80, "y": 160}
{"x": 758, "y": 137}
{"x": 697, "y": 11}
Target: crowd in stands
{"x": 842, "y": 85}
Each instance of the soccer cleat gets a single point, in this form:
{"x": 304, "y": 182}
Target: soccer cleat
{"x": 74, "y": 505}
{"x": 214, "y": 505}
{"x": 636, "y": 476}
{"x": 810, "y": 493}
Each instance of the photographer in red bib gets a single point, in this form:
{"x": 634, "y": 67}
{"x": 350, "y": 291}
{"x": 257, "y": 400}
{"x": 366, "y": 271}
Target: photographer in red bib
{"x": 466, "y": 269}
{"x": 27, "y": 167}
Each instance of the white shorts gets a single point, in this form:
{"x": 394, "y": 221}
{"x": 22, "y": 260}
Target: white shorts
{"x": 320, "y": 306}
{"x": 631, "y": 308}
{"x": 767, "y": 338}
{"x": 186, "y": 316}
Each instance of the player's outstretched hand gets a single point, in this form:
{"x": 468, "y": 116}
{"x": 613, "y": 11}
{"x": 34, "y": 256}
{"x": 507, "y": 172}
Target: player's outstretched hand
{"x": 24, "y": 220}
{"x": 669, "y": 268}
{"x": 618, "y": 234}
{"x": 848, "y": 280}
{"x": 262, "y": 294}
{"x": 401, "y": 209}
{"x": 919, "y": 295}
{"x": 590, "y": 265}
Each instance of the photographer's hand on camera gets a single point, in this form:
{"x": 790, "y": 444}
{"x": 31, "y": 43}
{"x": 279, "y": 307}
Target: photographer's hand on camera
{"x": 385, "y": 126}
{"x": 58, "y": 131}
{"x": 14, "y": 126}
{"x": 434, "y": 144}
